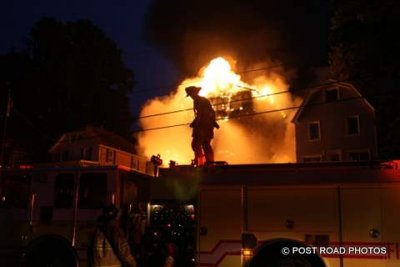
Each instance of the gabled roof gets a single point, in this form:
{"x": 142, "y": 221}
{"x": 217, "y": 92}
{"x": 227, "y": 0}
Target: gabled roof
{"x": 95, "y": 135}
{"x": 310, "y": 98}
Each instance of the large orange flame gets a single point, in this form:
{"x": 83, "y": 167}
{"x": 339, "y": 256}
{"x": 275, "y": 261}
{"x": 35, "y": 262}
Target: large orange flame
{"x": 248, "y": 134}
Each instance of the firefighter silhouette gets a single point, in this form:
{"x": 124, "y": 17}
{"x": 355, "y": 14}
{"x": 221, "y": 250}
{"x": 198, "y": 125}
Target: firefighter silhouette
{"x": 203, "y": 127}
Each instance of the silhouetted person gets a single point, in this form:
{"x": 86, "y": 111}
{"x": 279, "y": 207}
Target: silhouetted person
{"x": 203, "y": 126}
{"x": 109, "y": 246}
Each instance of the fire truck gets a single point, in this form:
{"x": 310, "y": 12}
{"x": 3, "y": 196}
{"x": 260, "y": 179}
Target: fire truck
{"x": 338, "y": 214}
{"x": 48, "y": 213}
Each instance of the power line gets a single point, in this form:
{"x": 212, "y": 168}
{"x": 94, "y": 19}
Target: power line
{"x": 241, "y": 100}
{"x": 168, "y": 86}
{"x": 233, "y": 117}
{"x": 260, "y": 113}
{"x": 237, "y": 116}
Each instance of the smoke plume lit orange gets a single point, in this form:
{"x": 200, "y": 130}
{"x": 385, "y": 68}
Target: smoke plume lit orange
{"x": 249, "y": 133}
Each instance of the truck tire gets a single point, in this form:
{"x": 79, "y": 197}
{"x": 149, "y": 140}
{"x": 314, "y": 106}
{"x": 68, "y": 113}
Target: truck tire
{"x": 51, "y": 252}
{"x": 270, "y": 255}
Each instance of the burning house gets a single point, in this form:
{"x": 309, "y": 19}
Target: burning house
{"x": 239, "y": 104}
{"x": 254, "y": 117}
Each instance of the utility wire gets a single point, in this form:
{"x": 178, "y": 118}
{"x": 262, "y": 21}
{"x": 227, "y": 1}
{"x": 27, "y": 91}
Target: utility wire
{"x": 168, "y": 86}
{"x": 233, "y": 117}
{"x": 240, "y": 116}
{"x": 261, "y": 112}
{"x": 241, "y": 100}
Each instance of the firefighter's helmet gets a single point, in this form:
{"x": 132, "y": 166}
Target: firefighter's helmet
{"x": 192, "y": 90}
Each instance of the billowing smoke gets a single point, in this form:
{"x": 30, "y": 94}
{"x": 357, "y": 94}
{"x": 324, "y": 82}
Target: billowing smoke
{"x": 254, "y": 129}
{"x": 191, "y": 32}
{"x": 257, "y": 34}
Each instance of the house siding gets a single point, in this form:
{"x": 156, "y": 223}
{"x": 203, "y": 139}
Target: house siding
{"x": 333, "y": 126}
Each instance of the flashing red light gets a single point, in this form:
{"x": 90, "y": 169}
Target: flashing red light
{"x": 25, "y": 166}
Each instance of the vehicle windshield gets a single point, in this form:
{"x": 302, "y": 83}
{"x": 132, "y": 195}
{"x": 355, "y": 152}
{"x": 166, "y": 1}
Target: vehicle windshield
{"x": 15, "y": 189}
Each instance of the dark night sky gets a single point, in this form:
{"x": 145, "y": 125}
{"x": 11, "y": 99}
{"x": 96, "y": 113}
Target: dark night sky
{"x": 251, "y": 30}
{"x": 190, "y": 33}
{"x": 121, "y": 20}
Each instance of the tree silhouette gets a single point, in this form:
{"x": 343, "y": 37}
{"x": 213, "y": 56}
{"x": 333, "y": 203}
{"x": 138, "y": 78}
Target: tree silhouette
{"x": 365, "y": 50}
{"x": 70, "y": 75}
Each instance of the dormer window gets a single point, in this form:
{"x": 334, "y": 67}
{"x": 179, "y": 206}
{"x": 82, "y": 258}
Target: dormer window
{"x": 331, "y": 95}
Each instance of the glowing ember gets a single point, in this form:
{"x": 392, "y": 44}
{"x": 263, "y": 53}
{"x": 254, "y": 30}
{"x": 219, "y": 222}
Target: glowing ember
{"x": 245, "y": 136}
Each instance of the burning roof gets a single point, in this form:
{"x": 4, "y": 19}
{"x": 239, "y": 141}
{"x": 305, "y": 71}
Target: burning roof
{"x": 248, "y": 134}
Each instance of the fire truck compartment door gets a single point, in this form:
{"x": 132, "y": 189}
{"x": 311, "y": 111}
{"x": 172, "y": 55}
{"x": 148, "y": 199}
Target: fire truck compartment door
{"x": 220, "y": 212}
{"x": 361, "y": 213}
{"x": 292, "y": 211}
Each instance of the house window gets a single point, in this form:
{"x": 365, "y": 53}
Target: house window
{"x": 331, "y": 95}
{"x": 353, "y": 125}
{"x": 359, "y": 155}
{"x": 64, "y": 191}
{"x": 313, "y": 131}
{"x": 315, "y": 158}
{"x": 92, "y": 190}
